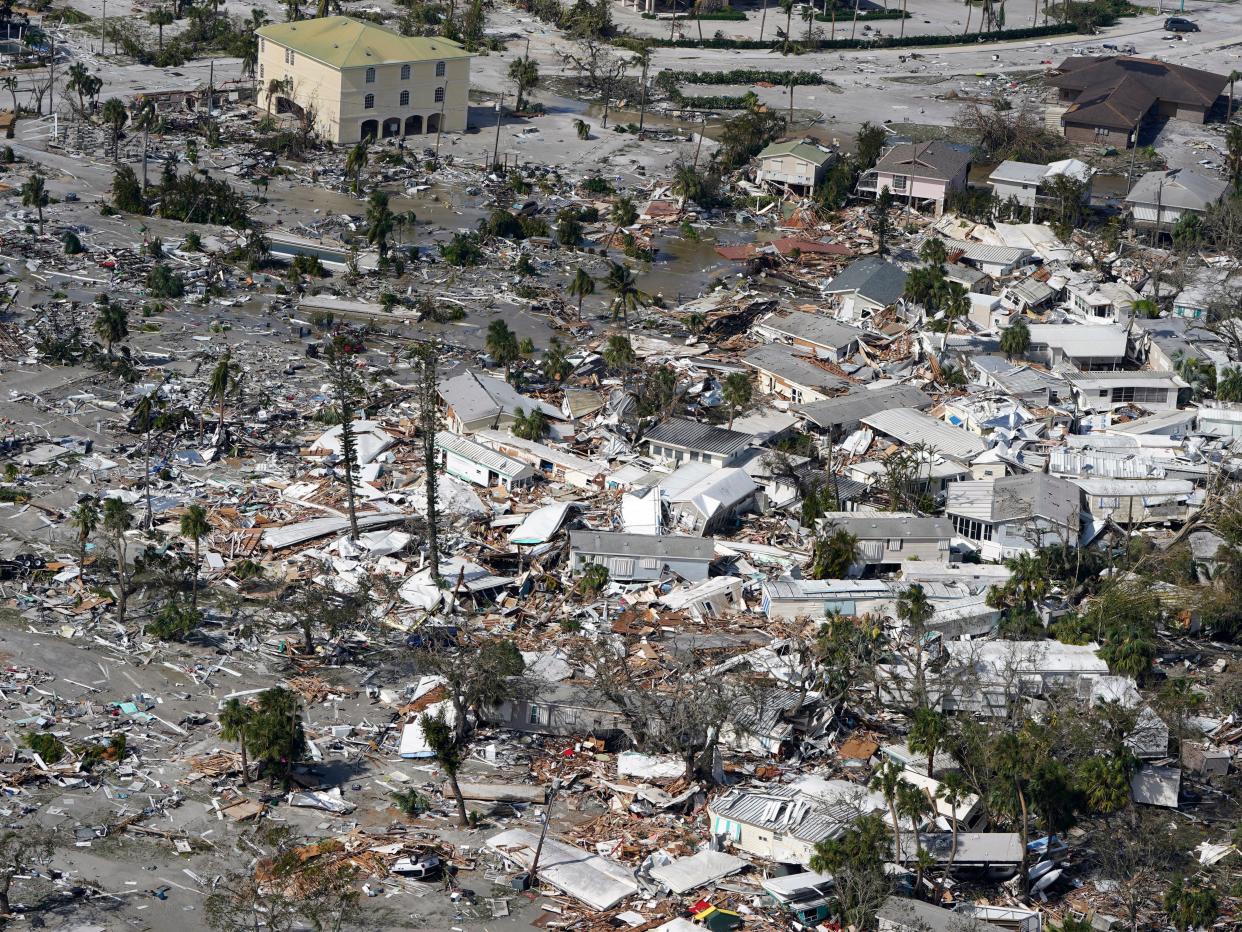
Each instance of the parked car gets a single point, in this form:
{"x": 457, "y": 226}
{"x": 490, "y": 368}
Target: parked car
{"x": 1180, "y": 24}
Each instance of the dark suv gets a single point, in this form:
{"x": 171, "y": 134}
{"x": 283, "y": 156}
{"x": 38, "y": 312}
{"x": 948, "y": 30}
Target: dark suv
{"x": 1180, "y": 24}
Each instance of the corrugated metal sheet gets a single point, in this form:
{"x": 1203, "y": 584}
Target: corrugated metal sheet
{"x": 911, "y": 426}
{"x": 693, "y": 435}
{"x": 486, "y": 457}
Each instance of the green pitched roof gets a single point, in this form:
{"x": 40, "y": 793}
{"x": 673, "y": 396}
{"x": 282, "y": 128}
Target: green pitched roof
{"x": 344, "y": 42}
{"x": 803, "y": 150}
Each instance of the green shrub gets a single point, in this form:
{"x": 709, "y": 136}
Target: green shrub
{"x": 163, "y": 282}
{"x": 884, "y": 42}
{"x": 462, "y": 250}
{"x": 50, "y": 748}
{"x": 411, "y": 802}
{"x": 863, "y": 17}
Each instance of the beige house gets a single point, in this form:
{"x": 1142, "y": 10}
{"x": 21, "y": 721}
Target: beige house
{"x": 356, "y": 80}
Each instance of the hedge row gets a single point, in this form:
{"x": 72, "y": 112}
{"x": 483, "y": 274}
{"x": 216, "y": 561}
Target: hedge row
{"x": 886, "y": 42}
{"x": 721, "y": 102}
{"x": 745, "y": 76}
{"x": 847, "y": 16}
{"x": 728, "y": 15}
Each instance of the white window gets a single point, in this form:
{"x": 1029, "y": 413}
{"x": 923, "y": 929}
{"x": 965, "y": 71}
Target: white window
{"x": 405, "y": 98}
{"x": 439, "y": 94}
{"x": 894, "y": 543}
{"x": 622, "y": 567}
{"x": 260, "y": 72}
{"x": 899, "y": 183}
{"x": 262, "y": 44}
{"x": 370, "y": 76}
{"x": 405, "y": 72}
{"x": 439, "y": 69}
{"x": 795, "y": 395}
{"x": 368, "y": 102}
{"x": 650, "y": 563}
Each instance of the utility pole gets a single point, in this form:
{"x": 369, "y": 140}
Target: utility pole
{"x": 547, "y": 818}
{"x": 642, "y": 97}
{"x": 103, "y": 35}
{"x": 440, "y": 125}
{"x": 500, "y": 106}
{"x": 699, "y": 145}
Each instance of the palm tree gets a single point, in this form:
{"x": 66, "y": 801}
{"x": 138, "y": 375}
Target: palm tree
{"x": 277, "y": 736}
{"x": 235, "y": 721}
{"x": 1010, "y": 760}
{"x": 626, "y": 296}
{"x": 913, "y": 803}
{"x": 78, "y": 81}
{"x": 115, "y": 115}
{"x": 695, "y": 322}
{"x": 687, "y": 184}
{"x": 953, "y": 790}
{"x": 250, "y": 56}
{"x": 146, "y": 412}
{"x": 502, "y": 345}
{"x": 736, "y": 393}
{"x": 529, "y": 426}
{"x": 1229, "y": 385}
{"x": 618, "y": 353}
{"x": 161, "y": 17}
{"x": 112, "y": 324}
{"x": 117, "y": 520}
{"x": 34, "y": 194}
{"x": 887, "y": 782}
{"x": 1233, "y": 156}
{"x": 927, "y": 735}
{"x": 194, "y": 526}
{"x": 1233, "y": 76}
{"x": 356, "y": 162}
{"x": 524, "y": 74}
{"x": 622, "y": 213}
{"x": 223, "y": 380}
{"x": 380, "y": 222}
{"x": 276, "y": 86}
{"x": 556, "y": 364}
{"x": 787, "y": 7}
{"x": 85, "y": 519}
{"x": 146, "y": 118}
{"x": 10, "y": 85}
{"x": 580, "y": 286}
{"x": 1016, "y": 339}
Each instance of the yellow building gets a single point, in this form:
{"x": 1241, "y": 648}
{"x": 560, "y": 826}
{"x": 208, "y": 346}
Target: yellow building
{"x": 356, "y": 80}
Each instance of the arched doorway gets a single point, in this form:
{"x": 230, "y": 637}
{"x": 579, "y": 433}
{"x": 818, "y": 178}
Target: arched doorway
{"x": 370, "y": 129}
{"x": 433, "y": 123}
{"x": 392, "y": 127}
{"x": 413, "y": 125}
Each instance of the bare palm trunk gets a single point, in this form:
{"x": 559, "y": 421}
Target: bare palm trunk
{"x": 1026, "y": 880}
{"x": 854, "y": 24}
{"x": 146, "y": 479}
{"x": 198, "y": 567}
{"x": 245, "y": 762}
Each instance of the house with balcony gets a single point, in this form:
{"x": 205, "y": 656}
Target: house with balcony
{"x": 796, "y": 164}
{"x": 921, "y": 174}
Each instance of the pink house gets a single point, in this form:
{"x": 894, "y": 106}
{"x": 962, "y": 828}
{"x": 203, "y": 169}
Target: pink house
{"x": 919, "y": 173}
